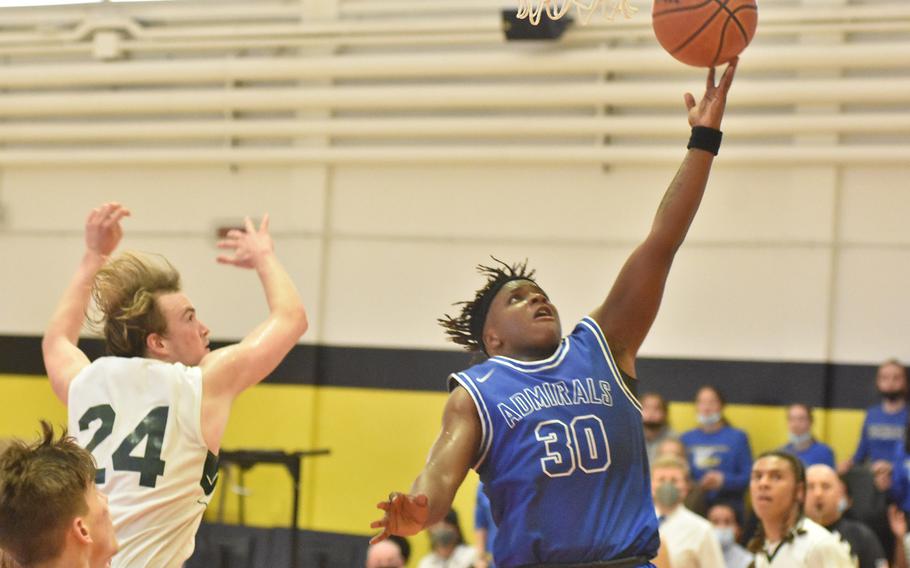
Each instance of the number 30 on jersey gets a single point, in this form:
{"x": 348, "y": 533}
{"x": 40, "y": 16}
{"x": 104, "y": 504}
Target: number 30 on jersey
{"x": 581, "y": 444}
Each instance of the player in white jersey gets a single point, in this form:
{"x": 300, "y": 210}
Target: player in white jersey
{"x": 153, "y": 414}
{"x": 785, "y": 537}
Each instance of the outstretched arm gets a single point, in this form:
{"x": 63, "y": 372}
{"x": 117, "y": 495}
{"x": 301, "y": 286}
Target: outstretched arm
{"x": 631, "y": 306}
{"x": 432, "y": 493}
{"x": 228, "y": 371}
{"x": 62, "y": 357}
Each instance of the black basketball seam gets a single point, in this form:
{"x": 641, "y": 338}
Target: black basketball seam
{"x": 720, "y": 44}
{"x": 681, "y": 9}
{"x": 739, "y": 24}
{"x": 697, "y": 32}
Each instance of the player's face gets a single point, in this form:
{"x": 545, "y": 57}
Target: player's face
{"x": 774, "y": 489}
{"x": 187, "y": 338}
{"x": 798, "y": 420}
{"x": 522, "y": 322}
{"x": 823, "y": 492}
{"x": 104, "y": 542}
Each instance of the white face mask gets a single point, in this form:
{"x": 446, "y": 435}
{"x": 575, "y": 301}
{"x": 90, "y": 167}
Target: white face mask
{"x": 842, "y": 505}
{"x": 709, "y": 419}
{"x": 724, "y": 536}
{"x": 800, "y": 439}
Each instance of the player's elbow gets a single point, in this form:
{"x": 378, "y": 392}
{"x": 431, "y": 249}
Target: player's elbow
{"x": 297, "y": 318}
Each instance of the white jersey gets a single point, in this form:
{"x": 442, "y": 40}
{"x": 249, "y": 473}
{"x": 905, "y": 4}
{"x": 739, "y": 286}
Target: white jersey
{"x": 141, "y": 420}
{"x": 809, "y": 545}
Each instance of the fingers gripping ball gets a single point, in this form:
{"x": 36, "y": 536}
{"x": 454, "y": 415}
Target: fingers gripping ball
{"x": 704, "y": 33}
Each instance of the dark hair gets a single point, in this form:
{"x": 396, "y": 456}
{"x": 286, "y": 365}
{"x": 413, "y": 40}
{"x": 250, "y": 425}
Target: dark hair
{"x": 452, "y": 519}
{"x": 42, "y": 489}
{"x": 403, "y": 545}
{"x": 737, "y": 516}
{"x": 799, "y": 473}
{"x": 466, "y": 328}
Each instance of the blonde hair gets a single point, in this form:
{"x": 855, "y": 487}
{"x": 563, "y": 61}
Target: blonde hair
{"x": 668, "y": 461}
{"x": 125, "y": 291}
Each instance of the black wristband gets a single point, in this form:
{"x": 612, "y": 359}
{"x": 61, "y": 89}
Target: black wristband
{"x": 704, "y": 138}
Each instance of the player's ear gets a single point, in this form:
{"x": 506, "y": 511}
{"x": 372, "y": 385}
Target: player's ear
{"x": 80, "y": 531}
{"x": 491, "y": 340}
{"x": 154, "y": 344}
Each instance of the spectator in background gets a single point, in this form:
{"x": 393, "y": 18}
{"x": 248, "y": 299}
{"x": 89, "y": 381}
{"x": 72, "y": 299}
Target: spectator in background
{"x": 690, "y": 539}
{"x": 785, "y": 537}
{"x": 728, "y": 531}
{"x": 801, "y": 442}
{"x": 385, "y": 554}
{"x": 655, "y": 419}
{"x": 484, "y": 530}
{"x": 719, "y": 455}
{"x": 883, "y": 428}
{"x": 448, "y": 549}
{"x": 826, "y": 503}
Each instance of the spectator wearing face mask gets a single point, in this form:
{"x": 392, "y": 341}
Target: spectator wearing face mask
{"x": 728, "y": 531}
{"x": 883, "y": 428}
{"x": 690, "y": 539}
{"x": 655, "y": 419}
{"x": 448, "y": 549}
{"x": 720, "y": 457}
{"x": 801, "y": 442}
{"x": 826, "y": 503}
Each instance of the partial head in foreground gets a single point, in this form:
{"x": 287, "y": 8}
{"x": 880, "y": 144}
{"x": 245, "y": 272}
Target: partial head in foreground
{"x": 144, "y": 312}
{"x": 51, "y": 512}
{"x": 510, "y": 315}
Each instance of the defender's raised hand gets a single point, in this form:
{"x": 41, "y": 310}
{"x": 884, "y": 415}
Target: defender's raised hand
{"x": 250, "y": 245}
{"x": 102, "y": 228}
{"x": 710, "y": 109}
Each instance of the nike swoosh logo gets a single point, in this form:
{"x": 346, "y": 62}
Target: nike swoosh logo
{"x": 212, "y": 480}
{"x": 484, "y": 378}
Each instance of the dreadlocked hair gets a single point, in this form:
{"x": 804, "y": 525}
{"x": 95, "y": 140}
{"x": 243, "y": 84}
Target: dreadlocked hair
{"x": 757, "y": 542}
{"x": 466, "y": 329}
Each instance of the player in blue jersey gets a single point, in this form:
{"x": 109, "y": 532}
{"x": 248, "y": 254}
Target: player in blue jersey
{"x": 551, "y": 424}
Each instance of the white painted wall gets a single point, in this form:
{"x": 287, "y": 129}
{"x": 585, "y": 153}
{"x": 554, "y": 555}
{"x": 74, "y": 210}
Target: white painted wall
{"x": 804, "y": 263}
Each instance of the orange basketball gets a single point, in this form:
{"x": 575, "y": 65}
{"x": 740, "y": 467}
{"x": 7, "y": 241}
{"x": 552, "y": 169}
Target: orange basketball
{"x": 704, "y": 33}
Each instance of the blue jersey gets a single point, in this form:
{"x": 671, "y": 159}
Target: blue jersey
{"x": 562, "y": 455}
{"x": 816, "y": 453}
{"x": 882, "y": 435}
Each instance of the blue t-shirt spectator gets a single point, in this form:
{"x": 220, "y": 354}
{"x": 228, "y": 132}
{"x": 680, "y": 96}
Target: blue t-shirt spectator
{"x": 727, "y": 450}
{"x": 815, "y": 453}
{"x": 483, "y": 520}
{"x": 882, "y": 435}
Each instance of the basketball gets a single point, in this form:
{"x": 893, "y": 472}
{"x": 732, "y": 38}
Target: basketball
{"x": 704, "y": 33}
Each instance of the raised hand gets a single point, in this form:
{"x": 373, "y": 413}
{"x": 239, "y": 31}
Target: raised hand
{"x": 710, "y": 109}
{"x": 405, "y": 515}
{"x": 249, "y": 245}
{"x": 102, "y": 228}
